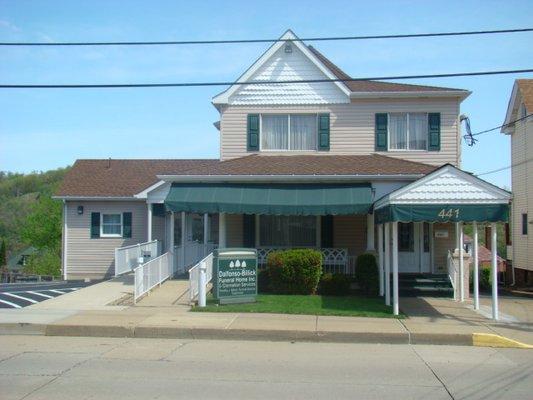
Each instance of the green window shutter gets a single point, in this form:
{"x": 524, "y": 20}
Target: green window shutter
{"x": 434, "y": 131}
{"x": 326, "y": 231}
{"x": 248, "y": 230}
{"x": 323, "y": 132}
{"x": 253, "y": 132}
{"x": 95, "y": 225}
{"x": 381, "y": 132}
{"x": 126, "y": 225}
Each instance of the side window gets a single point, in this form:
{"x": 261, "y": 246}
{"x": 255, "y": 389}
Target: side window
{"x": 524, "y": 224}
{"x": 111, "y": 225}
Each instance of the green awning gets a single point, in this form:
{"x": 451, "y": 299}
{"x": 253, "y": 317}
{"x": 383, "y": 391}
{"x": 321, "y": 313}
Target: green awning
{"x": 442, "y": 213}
{"x": 274, "y": 199}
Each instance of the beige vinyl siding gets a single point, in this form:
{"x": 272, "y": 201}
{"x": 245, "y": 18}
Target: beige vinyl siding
{"x": 352, "y": 127}
{"x": 94, "y": 258}
{"x": 234, "y": 230}
{"x": 522, "y": 184}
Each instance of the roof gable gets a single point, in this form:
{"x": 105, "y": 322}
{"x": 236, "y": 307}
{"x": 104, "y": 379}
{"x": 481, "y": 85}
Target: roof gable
{"x": 277, "y": 65}
{"x": 522, "y": 94}
{"x": 447, "y": 185}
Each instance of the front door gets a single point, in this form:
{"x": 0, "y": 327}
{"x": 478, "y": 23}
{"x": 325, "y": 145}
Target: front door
{"x": 414, "y": 247}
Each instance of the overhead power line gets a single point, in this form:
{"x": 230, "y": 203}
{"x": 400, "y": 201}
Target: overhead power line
{"x": 502, "y": 126}
{"x": 234, "y": 41}
{"x": 469, "y": 136}
{"x": 199, "y": 84}
{"x": 504, "y": 168}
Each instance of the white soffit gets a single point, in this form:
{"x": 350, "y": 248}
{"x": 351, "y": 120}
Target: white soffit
{"x": 449, "y": 185}
{"x": 277, "y": 65}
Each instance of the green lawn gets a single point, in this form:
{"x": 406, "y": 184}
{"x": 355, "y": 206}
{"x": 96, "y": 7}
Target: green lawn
{"x": 353, "y": 306}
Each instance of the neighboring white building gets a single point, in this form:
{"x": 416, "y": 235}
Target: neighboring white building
{"x": 521, "y": 132}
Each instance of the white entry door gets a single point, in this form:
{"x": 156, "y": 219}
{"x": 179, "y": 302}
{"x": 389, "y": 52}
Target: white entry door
{"x": 414, "y": 247}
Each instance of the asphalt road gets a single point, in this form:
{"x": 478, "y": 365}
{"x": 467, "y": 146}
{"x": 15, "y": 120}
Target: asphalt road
{"x": 40, "y": 367}
{"x": 19, "y": 295}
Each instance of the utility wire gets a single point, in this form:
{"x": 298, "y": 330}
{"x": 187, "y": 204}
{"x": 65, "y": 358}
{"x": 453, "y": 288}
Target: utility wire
{"x": 501, "y": 126}
{"x": 310, "y": 39}
{"x": 504, "y": 168}
{"x": 199, "y": 84}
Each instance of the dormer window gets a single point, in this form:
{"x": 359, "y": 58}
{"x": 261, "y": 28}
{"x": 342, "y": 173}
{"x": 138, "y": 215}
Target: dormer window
{"x": 288, "y": 132}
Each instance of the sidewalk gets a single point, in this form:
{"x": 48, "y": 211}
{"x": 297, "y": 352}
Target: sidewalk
{"x": 430, "y": 321}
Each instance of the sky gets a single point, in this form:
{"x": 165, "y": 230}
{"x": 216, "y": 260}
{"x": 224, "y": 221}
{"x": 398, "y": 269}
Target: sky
{"x": 46, "y": 129}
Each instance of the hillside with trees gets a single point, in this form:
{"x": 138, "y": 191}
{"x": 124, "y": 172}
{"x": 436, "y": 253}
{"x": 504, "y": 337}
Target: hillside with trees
{"x": 30, "y": 217}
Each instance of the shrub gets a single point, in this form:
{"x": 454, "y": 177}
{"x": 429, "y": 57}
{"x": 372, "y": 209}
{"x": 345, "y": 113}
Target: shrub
{"x": 45, "y": 262}
{"x": 367, "y": 274}
{"x": 334, "y": 285}
{"x": 294, "y": 271}
{"x": 263, "y": 281}
{"x": 485, "y": 280}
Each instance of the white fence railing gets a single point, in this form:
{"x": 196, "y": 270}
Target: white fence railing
{"x": 151, "y": 274}
{"x": 194, "y": 275}
{"x": 126, "y": 258}
{"x": 335, "y": 260}
{"x": 192, "y": 253}
{"x": 452, "y": 272}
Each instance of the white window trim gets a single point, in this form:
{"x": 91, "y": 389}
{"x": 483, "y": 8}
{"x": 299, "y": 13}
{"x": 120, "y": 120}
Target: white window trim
{"x": 407, "y": 149}
{"x": 111, "y": 235}
{"x": 288, "y": 134}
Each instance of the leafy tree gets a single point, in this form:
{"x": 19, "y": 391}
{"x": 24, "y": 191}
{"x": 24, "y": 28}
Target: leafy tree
{"x": 45, "y": 262}
{"x": 3, "y": 260}
{"x": 42, "y": 228}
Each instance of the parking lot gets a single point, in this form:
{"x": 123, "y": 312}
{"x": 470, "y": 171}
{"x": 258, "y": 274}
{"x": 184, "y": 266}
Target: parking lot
{"x": 19, "y": 295}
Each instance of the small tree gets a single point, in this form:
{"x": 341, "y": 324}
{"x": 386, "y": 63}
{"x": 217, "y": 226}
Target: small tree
{"x": 3, "y": 260}
{"x": 367, "y": 274}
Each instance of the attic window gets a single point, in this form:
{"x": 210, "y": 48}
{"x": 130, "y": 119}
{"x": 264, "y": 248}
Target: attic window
{"x": 288, "y": 48}
{"x": 523, "y": 111}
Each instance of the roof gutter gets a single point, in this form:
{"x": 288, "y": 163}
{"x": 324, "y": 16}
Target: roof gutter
{"x": 287, "y": 178}
{"x": 462, "y": 94}
{"x": 95, "y": 198}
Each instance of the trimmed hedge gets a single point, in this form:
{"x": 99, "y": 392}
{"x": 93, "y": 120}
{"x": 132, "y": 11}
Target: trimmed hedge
{"x": 367, "y": 274}
{"x": 294, "y": 271}
{"x": 334, "y": 285}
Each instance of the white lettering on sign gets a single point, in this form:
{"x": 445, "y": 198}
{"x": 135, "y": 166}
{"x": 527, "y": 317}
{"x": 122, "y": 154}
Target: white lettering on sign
{"x": 449, "y": 213}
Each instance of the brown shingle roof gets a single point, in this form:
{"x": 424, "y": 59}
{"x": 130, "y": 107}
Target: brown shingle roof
{"x": 375, "y": 86}
{"x": 526, "y": 90}
{"x": 372, "y": 164}
{"x": 125, "y": 178}
{"x": 119, "y": 178}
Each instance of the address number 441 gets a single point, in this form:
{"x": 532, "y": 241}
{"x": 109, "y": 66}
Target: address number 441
{"x": 449, "y": 213}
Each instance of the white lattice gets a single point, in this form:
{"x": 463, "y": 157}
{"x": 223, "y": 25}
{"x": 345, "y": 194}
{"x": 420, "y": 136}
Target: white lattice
{"x": 334, "y": 260}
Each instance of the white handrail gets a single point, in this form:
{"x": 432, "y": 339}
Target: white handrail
{"x": 127, "y": 257}
{"x": 452, "y": 272}
{"x": 193, "y": 253}
{"x": 194, "y": 275}
{"x": 151, "y": 274}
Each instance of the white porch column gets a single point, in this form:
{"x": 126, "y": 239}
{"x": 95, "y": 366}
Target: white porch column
{"x": 476, "y": 267}
{"x": 206, "y": 232}
{"x": 494, "y": 270}
{"x": 381, "y": 261}
{"x": 461, "y": 262}
{"x": 222, "y": 230}
{"x": 395, "y": 296}
{"x": 171, "y": 241}
{"x": 370, "y": 233}
{"x": 149, "y": 222}
{"x": 183, "y": 232}
{"x": 386, "y": 259}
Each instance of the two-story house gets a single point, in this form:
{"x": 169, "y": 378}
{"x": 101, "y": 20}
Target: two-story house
{"x": 521, "y": 133}
{"x": 341, "y": 165}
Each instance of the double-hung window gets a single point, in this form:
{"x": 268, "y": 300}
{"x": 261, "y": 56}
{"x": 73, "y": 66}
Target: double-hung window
{"x": 111, "y": 225}
{"x": 408, "y": 131}
{"x": 289, "y": 132}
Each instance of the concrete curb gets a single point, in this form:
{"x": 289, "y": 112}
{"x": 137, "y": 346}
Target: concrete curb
{"x": 167, "y": 332}
{"x": 492, "y": 340}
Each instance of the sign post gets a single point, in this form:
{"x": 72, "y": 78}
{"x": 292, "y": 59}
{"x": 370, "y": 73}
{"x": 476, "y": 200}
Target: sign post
{"x": 235, "y": 275}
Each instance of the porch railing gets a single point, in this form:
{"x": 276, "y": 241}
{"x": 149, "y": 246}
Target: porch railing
{"x": 151, "y": 274}
{"x": 334, "y": 260}
{"x": 194, "y": 275}
{"x": 127, "y": 258}
{"x": 452, "y": 272}
{"x": 191, "y": 254}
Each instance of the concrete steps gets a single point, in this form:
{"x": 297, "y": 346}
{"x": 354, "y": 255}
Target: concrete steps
{"x": 414, "y": 285}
